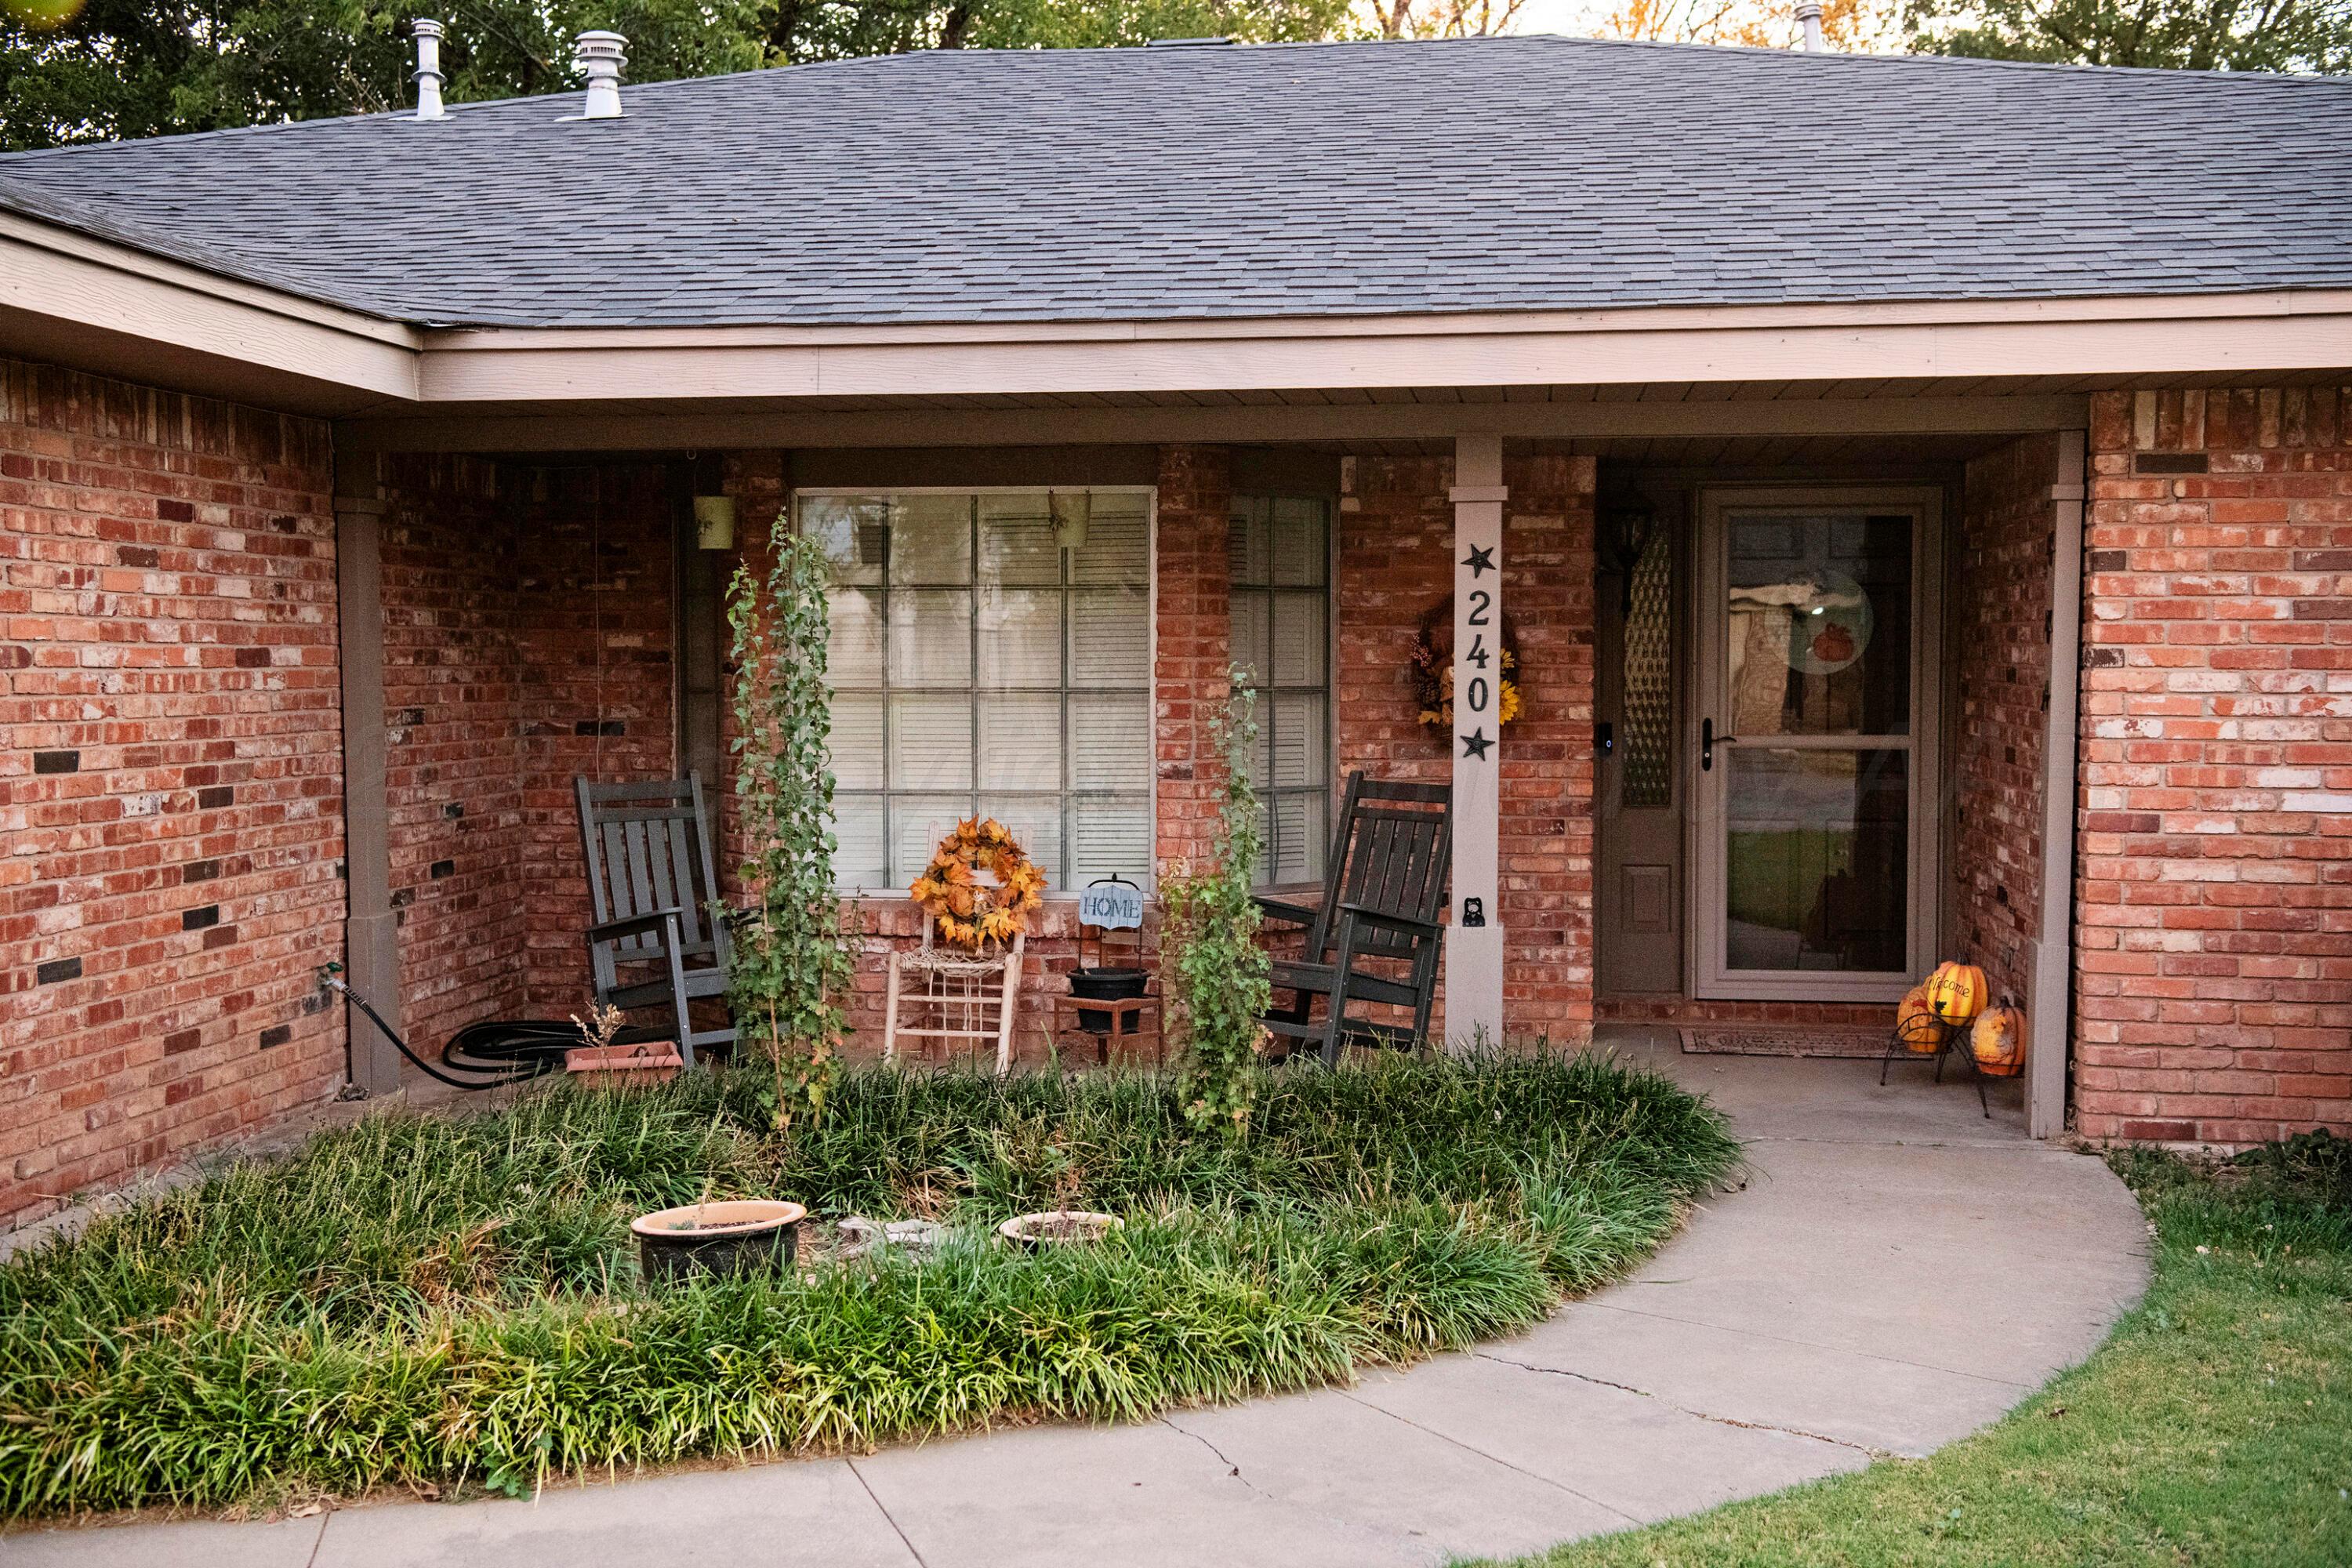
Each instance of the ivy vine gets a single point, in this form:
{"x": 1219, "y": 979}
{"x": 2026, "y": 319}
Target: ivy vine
{"x": 1216, "y": 973}
{"x": 792, "y": 966}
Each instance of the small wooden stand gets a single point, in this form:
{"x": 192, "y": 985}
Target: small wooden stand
{"x": 1120, "y": 1018}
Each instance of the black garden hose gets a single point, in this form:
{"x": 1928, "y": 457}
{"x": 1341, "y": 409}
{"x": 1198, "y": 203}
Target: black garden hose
{"x": 489, "y": 1054}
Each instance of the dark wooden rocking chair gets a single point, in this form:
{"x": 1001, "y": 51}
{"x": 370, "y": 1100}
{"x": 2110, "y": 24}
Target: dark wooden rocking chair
{"x": 650, "y": 886}
{"x": 1376, "y": 935}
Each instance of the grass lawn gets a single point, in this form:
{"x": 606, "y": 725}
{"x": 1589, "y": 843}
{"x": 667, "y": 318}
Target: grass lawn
{"x": 438, "y": 1302}
{"x": 2215, "y": 1427}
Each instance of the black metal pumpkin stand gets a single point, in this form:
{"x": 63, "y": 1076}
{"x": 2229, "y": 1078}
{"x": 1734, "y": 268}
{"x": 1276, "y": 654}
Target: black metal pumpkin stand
{"x": 1950, "y": 1040}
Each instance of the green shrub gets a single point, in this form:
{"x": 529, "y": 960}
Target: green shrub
{"x": 429, "y": 1300}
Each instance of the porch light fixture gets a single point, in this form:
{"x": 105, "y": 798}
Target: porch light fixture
{"x": 714, "y": 522}
{"x": 1071, "y": 513}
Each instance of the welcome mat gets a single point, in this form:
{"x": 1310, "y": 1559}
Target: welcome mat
{"x": 1751, "y": 1041}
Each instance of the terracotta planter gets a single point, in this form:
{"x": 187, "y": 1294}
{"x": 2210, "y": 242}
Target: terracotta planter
{"x": 750, "y": 1235}
{"x": 655, "y": 1061}
{"x": 1058, "y": 1227}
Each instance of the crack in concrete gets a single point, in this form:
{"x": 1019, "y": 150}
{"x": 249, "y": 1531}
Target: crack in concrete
{"x": 1595, "y": 1302}
{"x": 1875, "y": 1453}
{"x": 1494, "y": 1458}
{"x": 884, "y": 1509}
{"x": 1378, "y": 1531}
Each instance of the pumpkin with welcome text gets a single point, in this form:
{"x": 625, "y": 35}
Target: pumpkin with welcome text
{"x": 1915, "y": 1023}
{"x": 1956, "y": 993}
{"x": 1997, "y": 1041}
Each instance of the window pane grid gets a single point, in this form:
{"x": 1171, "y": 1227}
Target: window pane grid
{"x": 1279, "y": 556}
{"x": 993, "y": 658}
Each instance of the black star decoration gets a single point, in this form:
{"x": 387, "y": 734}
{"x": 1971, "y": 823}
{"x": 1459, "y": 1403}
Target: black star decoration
{"x": 1475, "y": 744}
{"x": 1481, "y": 562}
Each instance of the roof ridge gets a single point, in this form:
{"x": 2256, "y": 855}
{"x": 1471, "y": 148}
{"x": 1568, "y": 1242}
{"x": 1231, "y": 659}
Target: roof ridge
{"x": 1801, "y": 59}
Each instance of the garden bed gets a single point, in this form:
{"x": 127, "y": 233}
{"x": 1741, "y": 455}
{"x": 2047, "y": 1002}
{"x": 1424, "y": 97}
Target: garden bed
{"x": 444, "y": 1301}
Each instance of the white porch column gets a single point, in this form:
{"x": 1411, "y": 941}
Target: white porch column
{"x": 1474, "y": 942}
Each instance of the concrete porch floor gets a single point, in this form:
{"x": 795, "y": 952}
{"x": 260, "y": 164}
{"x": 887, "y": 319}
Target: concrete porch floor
{"x": 1895, "y": 1272}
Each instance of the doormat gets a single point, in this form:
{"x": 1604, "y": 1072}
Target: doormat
{"x": 1784, "y": 1042}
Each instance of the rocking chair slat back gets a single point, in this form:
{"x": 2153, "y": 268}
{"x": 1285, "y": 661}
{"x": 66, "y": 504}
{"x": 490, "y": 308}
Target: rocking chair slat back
{"x": 1393, "y": 854}
{"x": 646, "y": 850}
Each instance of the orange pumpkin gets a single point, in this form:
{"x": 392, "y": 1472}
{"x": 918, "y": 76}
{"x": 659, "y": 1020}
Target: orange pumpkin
{"x": 1956, "y": 992}
{"x": 1997, "y": 1040}
{"x": 1915, "y": 1023}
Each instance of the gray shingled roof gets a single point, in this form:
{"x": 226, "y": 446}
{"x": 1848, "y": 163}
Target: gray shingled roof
{"x": 1280, "y": 180}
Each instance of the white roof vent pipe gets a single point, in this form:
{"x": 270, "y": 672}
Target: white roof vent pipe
{"x": 428, "y": 69}
{"x": 1809, "y": 14}
{"x": 600, "y": 57}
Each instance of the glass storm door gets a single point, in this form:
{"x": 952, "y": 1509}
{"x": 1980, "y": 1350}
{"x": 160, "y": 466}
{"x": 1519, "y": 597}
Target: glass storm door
{"x": 1815, "y": 781}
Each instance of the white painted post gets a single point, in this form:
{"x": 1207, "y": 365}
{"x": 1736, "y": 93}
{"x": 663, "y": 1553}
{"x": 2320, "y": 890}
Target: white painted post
{"x": 1474, "y": 942}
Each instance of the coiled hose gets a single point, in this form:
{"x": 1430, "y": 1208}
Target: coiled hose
{"x": 489, "y": 1054}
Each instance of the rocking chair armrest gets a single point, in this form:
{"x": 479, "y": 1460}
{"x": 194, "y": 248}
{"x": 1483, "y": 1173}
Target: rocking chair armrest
{"x": 1412, "y": 924}
{"x": 1295, "y": 914}
{"x": 653, "y": 921}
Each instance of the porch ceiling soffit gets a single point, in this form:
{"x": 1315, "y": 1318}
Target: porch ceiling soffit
{"x": 957, "y": 423}
{"x": 82, "y": 301}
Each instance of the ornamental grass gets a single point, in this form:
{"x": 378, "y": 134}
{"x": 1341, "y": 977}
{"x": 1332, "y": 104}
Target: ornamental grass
{"x": 438, "y": 1302}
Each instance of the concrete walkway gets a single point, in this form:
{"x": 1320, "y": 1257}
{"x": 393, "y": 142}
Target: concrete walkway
{"x": 1896, "y": 1272}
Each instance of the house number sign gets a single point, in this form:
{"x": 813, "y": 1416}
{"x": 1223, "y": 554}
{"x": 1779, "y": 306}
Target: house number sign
{"x": 1474, "y": 946}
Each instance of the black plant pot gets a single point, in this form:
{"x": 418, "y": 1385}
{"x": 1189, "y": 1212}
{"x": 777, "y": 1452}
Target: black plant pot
{"x": 1106, "y": 985}
{"x": 725, "y": 1239}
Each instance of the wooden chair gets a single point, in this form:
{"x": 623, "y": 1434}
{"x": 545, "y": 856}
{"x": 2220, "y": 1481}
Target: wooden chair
{"x": 651, "y": 884}
{"x": 943, "y": 994}
{"x": 1376, "y": 936}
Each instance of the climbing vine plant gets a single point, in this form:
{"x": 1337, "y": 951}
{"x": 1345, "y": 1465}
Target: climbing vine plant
{"x": 792, "y": 966}
{"x": 1216, "y": 972}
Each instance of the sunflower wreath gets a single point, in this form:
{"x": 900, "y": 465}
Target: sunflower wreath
{"x": 971, "y": 912}
{"x": 1432, "y": 669}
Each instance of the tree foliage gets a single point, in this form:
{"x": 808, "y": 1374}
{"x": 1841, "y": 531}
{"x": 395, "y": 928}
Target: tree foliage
{"x": 2195, "y": 34}
{"x": 116, "y": 70}
{"x": 791, "y": 967}
{"x": 1216, "y": 973}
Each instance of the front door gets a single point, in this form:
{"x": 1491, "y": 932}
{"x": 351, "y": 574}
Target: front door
{"x": 1814, "y": 756}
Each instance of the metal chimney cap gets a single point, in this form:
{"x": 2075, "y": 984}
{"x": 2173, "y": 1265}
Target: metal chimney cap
{"x": 427, "y": 34}
{"x": 600, "y": 56}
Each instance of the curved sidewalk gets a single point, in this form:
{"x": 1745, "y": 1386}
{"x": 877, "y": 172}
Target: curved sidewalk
{"x": 1896, "y": 1272}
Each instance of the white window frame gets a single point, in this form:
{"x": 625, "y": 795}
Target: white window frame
{"x": 1149, "y": 873}
{"x": 1330, "y": 738}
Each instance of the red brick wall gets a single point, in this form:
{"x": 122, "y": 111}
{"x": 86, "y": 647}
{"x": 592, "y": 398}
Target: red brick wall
{"x": 1396, "y": 530}
{"x": 1999, "y": 604}
{"x": 169, "y": 787}
{"x": 528, "y": 631}
{"x": 2214, "y": 922}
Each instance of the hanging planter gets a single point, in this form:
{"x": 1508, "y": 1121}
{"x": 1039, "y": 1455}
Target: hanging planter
{"x": 749, "y": 1236}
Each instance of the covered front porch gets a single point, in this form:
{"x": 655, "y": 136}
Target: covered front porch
{"x": 1784, "y": 735}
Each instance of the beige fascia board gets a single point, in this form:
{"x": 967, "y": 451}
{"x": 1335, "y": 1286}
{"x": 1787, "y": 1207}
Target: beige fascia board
{"x": 2194, "y": 334}
{"x": 78, "y": 284}
{"x": 957, "y": 424}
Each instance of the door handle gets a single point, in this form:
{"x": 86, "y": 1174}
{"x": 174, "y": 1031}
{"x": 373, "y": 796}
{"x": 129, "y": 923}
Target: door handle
{"x": 1707, "y": 742}
{"x": 1604, "y": 737}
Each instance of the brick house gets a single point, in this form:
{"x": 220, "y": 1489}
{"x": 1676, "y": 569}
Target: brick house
{"x": 1922, "y": 494}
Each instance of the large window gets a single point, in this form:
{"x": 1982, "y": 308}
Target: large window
{"x": 1281, "y": 562}
{"x": 991, "y": 654}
